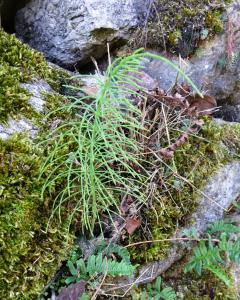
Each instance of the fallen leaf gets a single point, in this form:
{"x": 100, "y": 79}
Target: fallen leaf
{"x": 73, "y": 292}
{"x": 202, "y": 106}
{"x": 132, "y": 225}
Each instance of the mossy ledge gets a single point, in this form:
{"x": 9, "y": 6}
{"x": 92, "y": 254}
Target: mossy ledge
{"x": 29, "y": 256}
{"x": 197, "y": 161}
{"x": 178, "y": 26}
{"x": 19, "y": 64}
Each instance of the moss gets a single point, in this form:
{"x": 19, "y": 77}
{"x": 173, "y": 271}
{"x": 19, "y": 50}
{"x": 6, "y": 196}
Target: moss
{"x": 102, "y": 34}
{"x": 196, "y": 160}
{"x": 174, "y": 37}
{"x": 29, "y": 256}
{"x": 177, "y": 26}
{"x": 19, "y": 63}
{"x": 214, "y": 21}
{"x": 230, "y": 137}
{"x": 189, "y": 12}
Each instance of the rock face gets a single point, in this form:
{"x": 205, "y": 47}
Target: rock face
{"x": 215, "y": 67}
{"x": 36, "y": 88}
{"x": 68, "y": 32}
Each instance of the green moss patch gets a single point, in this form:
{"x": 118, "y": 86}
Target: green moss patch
{"x": 29, "y": 256}
{"x": 19, "y": 64}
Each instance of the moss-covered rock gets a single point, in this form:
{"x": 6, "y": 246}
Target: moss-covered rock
{"x": 19, "y": 64}
{"x": 179, "y": 25}
{"x": 29, "y": 255}
{"x": 196, "y": 161}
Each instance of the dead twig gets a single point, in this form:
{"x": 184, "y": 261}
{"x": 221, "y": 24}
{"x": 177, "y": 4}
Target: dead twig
{"x": 170, "y": 240}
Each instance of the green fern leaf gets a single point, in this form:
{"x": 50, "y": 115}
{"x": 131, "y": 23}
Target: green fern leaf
{"x": 221, "y": 226}
{"x": 97, "y": 264}
{"x": 219, "y": 272}
{"x": 203, "y": 256}
{"x": 155, "y": 292}
{"x": 158, "y": 284}
{"x": 167, "y": 294}
{"x": 72, "y": 269}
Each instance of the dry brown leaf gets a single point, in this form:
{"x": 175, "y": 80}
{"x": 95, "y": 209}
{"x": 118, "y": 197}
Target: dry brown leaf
{"x": 132, "y": 225}
{"x": 202, "y": 106}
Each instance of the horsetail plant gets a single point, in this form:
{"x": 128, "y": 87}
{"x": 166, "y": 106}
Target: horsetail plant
{"x": 97, "y": 156}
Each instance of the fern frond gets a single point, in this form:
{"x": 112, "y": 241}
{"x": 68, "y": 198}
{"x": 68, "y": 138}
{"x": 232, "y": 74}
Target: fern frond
{"x": 221, "y": 226}
{"x": 116, "y": 249}
{"x": 202, "y": 257}
{"x": 167, "y": 294}
{"x": 120, "y": 251}
{"x": 155, "y": 291}
{"x": 231, "y": 248}
{"x": 208, "y": 255}
{"x": 220, "y": 273}
{"x": 97, "y": 265}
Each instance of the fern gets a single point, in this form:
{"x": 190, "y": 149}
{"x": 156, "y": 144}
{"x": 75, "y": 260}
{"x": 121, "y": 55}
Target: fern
{"x": 202, "y": 257}
{"x": 97, "y": 265}
{"x": 209, "y": 255}
{"x": 230, "y": 247}
{"x": 221, "y": 226}
{"x": 220, "y": 273}
{"x": 155, "y": 292}
{"x": 110, "y": 249}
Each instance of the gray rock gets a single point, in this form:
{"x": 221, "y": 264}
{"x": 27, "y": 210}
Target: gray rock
{"x": 36, "y": 88}
{"x": 70, "y": 31}
{"x": 216, "y": 197}
{"x": 230, "y": 113}
{"x": 17, "y": 126}
{"x": 210, "y": 68}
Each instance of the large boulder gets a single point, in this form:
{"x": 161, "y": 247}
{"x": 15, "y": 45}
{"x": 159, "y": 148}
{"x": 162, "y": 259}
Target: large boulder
{"x": 70, "y": 32}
